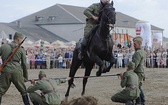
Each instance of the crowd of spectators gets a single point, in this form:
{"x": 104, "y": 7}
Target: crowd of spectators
{"x": 157, "y": 58}
{"x": 62, "y": 57}
{"x": 49, "y": 58}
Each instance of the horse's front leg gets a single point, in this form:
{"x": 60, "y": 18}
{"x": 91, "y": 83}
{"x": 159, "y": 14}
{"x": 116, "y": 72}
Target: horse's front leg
{"x": 108, "y": 68}
{"x": 99, "y": 62}
{"x": 112, "y": 61}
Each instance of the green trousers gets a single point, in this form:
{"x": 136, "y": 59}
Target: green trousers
{"x": 16, "y": 78}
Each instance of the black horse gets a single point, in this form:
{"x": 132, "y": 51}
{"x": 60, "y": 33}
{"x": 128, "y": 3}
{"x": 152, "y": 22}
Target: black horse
{"x": 99, "y": 49}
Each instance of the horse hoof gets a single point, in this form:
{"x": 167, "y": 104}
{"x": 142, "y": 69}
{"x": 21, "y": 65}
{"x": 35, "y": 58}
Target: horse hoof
{"x": 98, "y": 73}
{"x": 82, "y": 94}
{"x": 65, "y": 100}
{"x": 73, "y": 85}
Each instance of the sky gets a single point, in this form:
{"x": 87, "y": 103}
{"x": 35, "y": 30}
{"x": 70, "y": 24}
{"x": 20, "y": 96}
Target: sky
{"x": 153, "y": 11}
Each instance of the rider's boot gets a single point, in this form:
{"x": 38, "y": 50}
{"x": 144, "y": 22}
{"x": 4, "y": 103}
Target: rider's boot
{"x": 80, "y": 55}
{"x": 82, "y": 48}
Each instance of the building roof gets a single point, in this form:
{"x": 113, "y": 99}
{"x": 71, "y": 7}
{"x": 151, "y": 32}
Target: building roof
{"x": 35, "y": 33}
{"x": 124, "y": 20}
{"x": 57, "y": 14}
{"x": 31, "y": 25}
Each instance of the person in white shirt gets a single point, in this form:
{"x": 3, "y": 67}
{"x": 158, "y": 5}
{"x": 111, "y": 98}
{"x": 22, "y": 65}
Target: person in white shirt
{"x": 119, "y": 59}
{"x": 60, "y": 61}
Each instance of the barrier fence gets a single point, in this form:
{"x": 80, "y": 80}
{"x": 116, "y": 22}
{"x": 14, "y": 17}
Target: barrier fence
{"x": 54, "y": 63}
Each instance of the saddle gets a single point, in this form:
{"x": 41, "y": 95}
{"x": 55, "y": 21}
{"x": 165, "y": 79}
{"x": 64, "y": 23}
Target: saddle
{"x": 91, "y": 34}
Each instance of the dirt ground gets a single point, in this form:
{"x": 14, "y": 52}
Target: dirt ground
{"x": 102, "y": 88}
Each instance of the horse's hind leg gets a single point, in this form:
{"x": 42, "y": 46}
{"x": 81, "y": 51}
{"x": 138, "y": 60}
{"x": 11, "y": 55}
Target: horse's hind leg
{"x": 88, "y": 68}
{"x": 68, "y": 90}
{"x": 74, "y": 67}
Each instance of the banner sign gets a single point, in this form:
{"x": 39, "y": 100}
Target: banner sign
{"x": 157, "y": 39}
{"x": 143, "y": 29}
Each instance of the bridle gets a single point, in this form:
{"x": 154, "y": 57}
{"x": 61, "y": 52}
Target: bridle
{"x": 110, "y": 26}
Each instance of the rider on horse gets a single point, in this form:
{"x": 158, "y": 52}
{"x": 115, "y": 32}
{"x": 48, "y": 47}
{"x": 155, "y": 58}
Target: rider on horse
{"x": 93, "y": 14}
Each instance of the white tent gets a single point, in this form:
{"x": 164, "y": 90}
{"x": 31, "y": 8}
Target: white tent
{"x": 37, "y": 44}
{"x": 3, "y": 35}
{"x": 59, "y": 44}
{"x": 70, "y": 44}
{"x": 27, "y": 44}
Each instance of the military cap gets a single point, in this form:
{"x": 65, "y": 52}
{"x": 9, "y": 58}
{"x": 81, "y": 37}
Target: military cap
{"x": 17, "y": 34}
{"x": 138, "y": 38}
{"x": 131, "y": 65}
{"x": 41, "y": 73}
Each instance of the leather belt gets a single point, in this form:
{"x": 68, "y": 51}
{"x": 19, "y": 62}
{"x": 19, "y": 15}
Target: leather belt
{"x": 47, "y": 92}
{"x": 131, "y": 86}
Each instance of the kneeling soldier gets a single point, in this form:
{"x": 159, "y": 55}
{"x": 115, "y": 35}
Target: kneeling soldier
{"x": 130, "y": 81}
{"x": 47, "y": 86}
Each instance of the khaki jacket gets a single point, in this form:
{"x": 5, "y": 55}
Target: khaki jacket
{"x": 48, "y": 87}
{"x": 138, "y": 58}
{"x": 19, "y": 59}
{"x": 130, "y": 81}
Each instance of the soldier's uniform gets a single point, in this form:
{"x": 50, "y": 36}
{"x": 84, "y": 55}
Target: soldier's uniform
{"x": 13, "y": 71}
{"x": 138, "y": 58}
{"x": 130, "y": 81}
{"x": 49, "y": 94}
{"x": 93, "y": 10}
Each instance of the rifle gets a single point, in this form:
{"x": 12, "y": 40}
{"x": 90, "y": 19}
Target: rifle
{"x": 11, "y": 55}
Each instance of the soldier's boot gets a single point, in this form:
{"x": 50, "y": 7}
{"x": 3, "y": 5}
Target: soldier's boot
{"x": 82, "y": 48}
{"x": 0, "y": 100}
{"x": 129, "y": 102}
{"x": 25, "y": 99}
{"x": 35, "y": 103}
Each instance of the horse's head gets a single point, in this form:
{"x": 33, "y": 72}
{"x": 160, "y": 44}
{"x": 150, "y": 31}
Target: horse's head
{"x": 109, "y": 15}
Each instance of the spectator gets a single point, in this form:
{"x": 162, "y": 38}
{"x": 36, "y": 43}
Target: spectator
{"x": 60, "y": 61}
{"x": 119, "y": 59}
